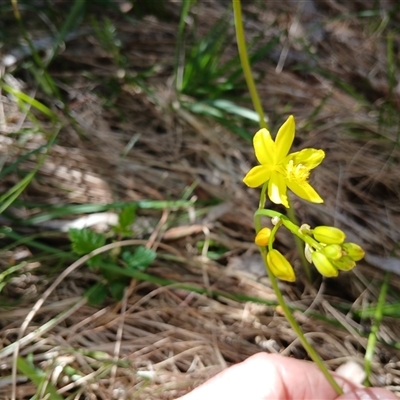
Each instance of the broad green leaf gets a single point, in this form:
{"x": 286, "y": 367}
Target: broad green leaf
{"x": 97, "y": 294}
{"x": 140, "y": 259}
{"x": 117, "y": 289}
{"x": 127, "y": 216}
{"x": 85, "y": 240}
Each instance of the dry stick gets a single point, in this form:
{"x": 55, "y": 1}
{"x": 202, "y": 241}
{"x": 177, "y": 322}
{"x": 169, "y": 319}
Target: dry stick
{"x": 82, "y": 380}
{"x": 43, "y": 329}
{"x": 161, "y": 223}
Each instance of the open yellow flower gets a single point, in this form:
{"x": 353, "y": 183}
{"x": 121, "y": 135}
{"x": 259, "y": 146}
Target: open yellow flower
{"x": 282, "y": 170}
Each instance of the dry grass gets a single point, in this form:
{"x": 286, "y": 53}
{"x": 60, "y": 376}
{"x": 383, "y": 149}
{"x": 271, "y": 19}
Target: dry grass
{"x": 161, "y": 341}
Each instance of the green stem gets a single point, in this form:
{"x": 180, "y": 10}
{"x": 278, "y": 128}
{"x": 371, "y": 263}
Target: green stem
{"x": 309, "y": 348}
{"x": 372, "y": 338}
{"x": 299, "y": 245}
{"x": 244, "y": 59}
{"x": 262, "y": 196}
{"x": 288, "y": 314}
{"x": 287, "y": 223}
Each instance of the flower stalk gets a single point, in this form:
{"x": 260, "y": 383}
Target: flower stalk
{"x": 281, "y": 300}
{"x": 277, "y": 172}
{"x": 244, "y": 59}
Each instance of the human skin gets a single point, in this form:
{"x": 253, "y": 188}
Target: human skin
{"x": 274, "y": 377}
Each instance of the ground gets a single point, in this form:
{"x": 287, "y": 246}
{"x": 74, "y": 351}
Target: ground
{"x": 118, "y": 132}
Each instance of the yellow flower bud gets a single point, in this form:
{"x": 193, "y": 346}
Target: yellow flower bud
{"x": 354, "y": 251}
{"x": 262, "y": 237}
{"x": 280, "y": 266}
{"x": 329, "y": 235}
{"x": 345, "y": 263}
{"x": 333, "y": 251}
{"x": 323, "y": 265}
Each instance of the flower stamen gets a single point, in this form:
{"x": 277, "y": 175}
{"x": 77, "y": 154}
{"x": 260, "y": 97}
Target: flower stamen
{"x": 297, "y": 173}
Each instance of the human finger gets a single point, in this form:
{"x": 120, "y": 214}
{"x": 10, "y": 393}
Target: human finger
{"x": 274, "y": 377}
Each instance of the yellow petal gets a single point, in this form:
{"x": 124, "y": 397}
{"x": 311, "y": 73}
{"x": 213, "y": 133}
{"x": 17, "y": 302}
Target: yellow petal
{"x": 323, "y": 265}
{"x": 257, "y": 176}
{"x": 309, "y": 158}
{"x": 277, "y": 190}
{"x": 280, "y": 266}
{"x": 305, "y": 191}
{"x": 264, "y": 147}
{"x": 284, "y": 138}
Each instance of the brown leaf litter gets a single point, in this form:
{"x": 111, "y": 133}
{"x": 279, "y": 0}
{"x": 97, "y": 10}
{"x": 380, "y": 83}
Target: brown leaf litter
{"x": 161, "y": 341}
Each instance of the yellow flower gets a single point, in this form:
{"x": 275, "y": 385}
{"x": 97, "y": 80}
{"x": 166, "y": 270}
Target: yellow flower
{"x": 262, "y": 237}
{"x": 280, "y": 266}
{"x": 282, "y": 170}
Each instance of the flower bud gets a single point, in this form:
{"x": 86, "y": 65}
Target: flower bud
{"x": 345, "y": 263}
{"x": 280, "y": 266}
{"x": 323, "y": 265}
{"x": 354, "y": 251}
{"x": 275, "y": 220}
{"x": 304, "y": 229}
{"x": 333, "y": 251}
{"x": 262, "y": 237}
{"x": 329, "y": 235}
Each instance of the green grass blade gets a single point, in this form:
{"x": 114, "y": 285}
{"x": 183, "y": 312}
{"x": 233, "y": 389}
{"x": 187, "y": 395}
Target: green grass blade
{"x": 8, "y": 198}
{"x": 76, "y": 13}
{"x": 35, "y": 55}
{"x": 372, "y": 338}
{"x": 56, "y": 211}
{"x": 31, "y": 242}
{"x": 14, "y": 192}
{"x": 10, "y": 271}
{"x": 180, "y": 44}
{"x": 31, "y": 101}
{"x": 38, "y": 378}
{"x": 13, "y": 166}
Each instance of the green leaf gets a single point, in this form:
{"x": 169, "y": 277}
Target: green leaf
{"x": 96, "y": 294}
{"x": 140, "y": 259}
{"x": 85, "y": 240}
{"x": 127, "y": 216}
{"x": 125, "y": 220}
{"x": 117, "y": 289}
{"x": 94, "y": 263}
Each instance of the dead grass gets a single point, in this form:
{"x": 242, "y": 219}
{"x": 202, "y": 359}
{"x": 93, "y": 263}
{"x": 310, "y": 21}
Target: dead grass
{"x": 161, "y": 341}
